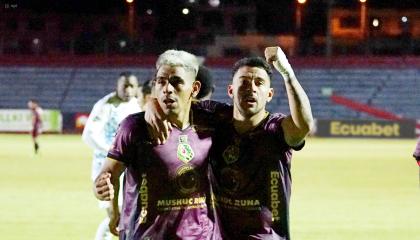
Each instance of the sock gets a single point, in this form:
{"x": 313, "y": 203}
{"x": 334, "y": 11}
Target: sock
{"x": 36, "y": 146}
{"x": 103, "y": 232}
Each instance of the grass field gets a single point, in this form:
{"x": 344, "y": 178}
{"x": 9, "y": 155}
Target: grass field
{"x": 342, "y": 189}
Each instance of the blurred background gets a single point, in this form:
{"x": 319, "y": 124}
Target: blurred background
{"x": 214, "y": 28}
{"x": 358, "y": 61}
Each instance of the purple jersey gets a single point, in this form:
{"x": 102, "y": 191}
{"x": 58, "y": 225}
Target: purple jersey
{"x": 166, "y": 191}
{"x": 251, "y": 180}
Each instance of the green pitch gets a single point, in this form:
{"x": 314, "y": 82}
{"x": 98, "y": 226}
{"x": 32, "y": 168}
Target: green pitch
{"x": 342, "y": 189}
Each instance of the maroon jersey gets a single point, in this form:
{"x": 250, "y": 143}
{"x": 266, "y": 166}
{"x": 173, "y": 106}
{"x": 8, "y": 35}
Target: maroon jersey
{"x": 251, "y": 180}
{"x": 36, "y": 121}
{"x": 166, "y": 191}
{"x": 416, "y": 153}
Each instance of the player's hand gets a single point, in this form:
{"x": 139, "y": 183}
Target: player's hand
{"x": 158, "y": 126}
{"x": 113, "y": 223}
{"x": 276, "y": 56}
{"x": 103, "y": 188}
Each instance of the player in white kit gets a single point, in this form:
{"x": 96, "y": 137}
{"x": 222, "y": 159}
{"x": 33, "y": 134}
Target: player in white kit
{"x": 100, "y": 129}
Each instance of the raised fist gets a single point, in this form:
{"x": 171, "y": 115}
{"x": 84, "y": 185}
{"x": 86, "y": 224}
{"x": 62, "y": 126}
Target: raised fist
{"x": 279, "y": 60}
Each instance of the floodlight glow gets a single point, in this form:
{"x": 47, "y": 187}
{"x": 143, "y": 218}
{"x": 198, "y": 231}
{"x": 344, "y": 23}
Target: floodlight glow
{"x": 129, "y": 1}
{"x": 362, "y": 1}
{"x": 185, "y": 11}
{"x": 123, "y": 43}
{"x": 404, "y": 19}
{"x": 375, "y": 22}
{"x": 214, "y": 3}
{"x": 149, "y": 11}
{"x": 35, "y": 41}
{"x": 301, "y": 1}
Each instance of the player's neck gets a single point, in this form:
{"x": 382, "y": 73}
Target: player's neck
{"x": 182, "y": 119}
{"x": 116, "y": 101}
{"x": 244, "y": 124}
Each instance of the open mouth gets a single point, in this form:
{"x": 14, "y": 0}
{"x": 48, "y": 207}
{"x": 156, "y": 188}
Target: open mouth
{"x": 250, "y": 99}
{"x": 168, "y": 101}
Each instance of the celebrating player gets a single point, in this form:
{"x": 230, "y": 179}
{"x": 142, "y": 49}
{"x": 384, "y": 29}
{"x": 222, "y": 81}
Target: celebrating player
{"x": 251, "y": 156}
{"x": 166, "y": 191}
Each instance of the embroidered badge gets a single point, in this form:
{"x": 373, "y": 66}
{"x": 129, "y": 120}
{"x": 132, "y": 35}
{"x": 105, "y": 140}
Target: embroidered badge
{"x": 184, "y": 151}
{"x": 231, "y": 153}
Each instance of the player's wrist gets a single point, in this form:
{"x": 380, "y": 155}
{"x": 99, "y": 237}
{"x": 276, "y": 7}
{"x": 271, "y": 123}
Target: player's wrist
{"x": 284, "y": 68}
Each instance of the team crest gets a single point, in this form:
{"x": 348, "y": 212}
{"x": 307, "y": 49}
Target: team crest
{"x": 231, "y": 154}
{"x": 184, "y": 152}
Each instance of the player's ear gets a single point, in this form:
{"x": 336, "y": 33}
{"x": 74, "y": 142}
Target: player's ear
{"x": 195, "y": 88}
{"x": 230, "y": 90}
{"x": 270, "y": 94}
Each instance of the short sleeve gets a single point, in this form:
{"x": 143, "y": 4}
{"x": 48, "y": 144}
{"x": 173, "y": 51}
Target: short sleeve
{"x": 274, "y": 126}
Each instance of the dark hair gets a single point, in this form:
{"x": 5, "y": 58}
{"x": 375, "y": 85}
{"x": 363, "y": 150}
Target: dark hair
{"x": 146, "y": 88}
{"x": 253, "y": 62}
{"x": 126, "y": 74}
{"x": 206, "y": 79}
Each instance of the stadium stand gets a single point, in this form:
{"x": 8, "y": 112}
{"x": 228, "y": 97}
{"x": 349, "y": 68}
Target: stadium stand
{"x": 76, "y": 89}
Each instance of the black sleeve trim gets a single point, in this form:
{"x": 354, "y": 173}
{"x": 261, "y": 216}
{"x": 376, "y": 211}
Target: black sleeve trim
{"x": 115, "y": 157}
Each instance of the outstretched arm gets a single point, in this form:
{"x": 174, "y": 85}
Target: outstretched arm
{"x": 297, "y": 126}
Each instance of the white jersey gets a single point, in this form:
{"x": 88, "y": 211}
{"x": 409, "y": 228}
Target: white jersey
{"x": 102, "y": 124}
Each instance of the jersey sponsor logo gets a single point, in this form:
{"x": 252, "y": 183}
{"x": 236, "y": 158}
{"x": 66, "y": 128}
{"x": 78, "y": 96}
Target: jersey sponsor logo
{"x": 274, "y": 195}
{"x": 144, "y": 199}
{"x": 185, "y": 152}
{"x": 187, "y": 179}
{"x": 239, "y": 204}
{"x": 181, "y": 203}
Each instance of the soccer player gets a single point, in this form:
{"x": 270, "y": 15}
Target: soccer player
{"x": 205, "y": 77}
{"x": 166, "y": 191}
{"x": 36, "y": 111}
{"x": 207, "y": 87}
{"x": 100, "y": 129}
{"x": 144, "y": 93}
{"x": 251, "y": 156}
{"x": 416, "y": 153}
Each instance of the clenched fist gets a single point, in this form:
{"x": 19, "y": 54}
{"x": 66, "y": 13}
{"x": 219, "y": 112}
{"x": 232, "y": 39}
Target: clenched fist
{"x": 103, "y": 188}
{"x": 279, "y": 60}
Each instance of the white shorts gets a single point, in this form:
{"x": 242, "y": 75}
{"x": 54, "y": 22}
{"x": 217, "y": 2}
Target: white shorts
{"x": 97, "y": 163}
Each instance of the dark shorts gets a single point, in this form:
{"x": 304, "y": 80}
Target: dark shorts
{"x": 35, "y": 132}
